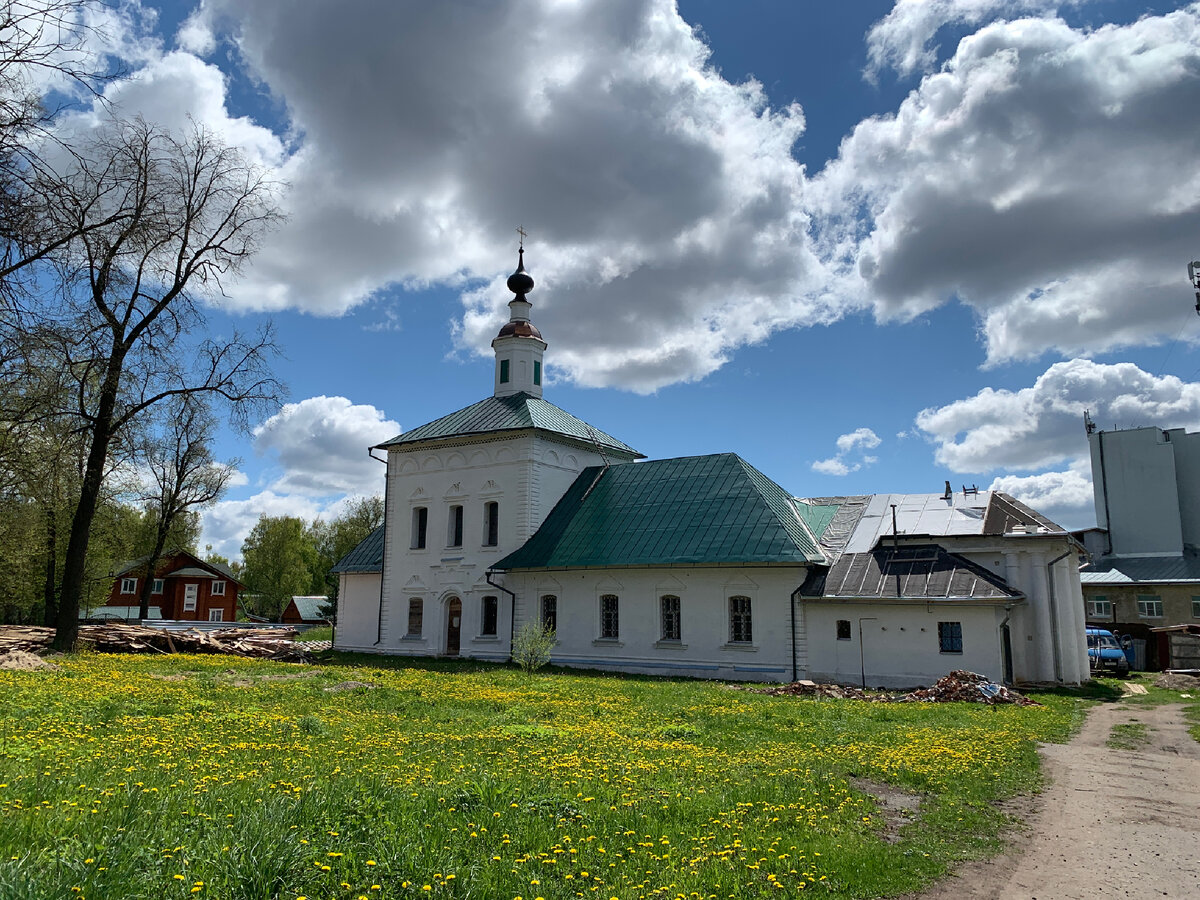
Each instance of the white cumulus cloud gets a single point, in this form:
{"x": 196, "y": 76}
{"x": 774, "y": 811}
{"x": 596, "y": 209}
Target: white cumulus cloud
{"x": 852, "y": 445}
{"x": 1065, "y": 497}
{"x": 1042, "y": 425}
{"x": 1045, "y": 175}
{"x": 321, "y": 443}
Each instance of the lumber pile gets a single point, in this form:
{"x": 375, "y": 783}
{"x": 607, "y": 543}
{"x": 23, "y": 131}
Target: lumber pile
{"x": 262, "y": 643}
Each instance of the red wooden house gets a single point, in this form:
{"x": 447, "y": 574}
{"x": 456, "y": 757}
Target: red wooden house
{"x": 185, "y": 587}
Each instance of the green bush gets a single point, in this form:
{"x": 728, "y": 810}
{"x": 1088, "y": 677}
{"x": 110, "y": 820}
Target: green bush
{"x": 531, "y": 646}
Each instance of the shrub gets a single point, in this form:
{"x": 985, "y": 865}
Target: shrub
{"x": 531, "y": 646}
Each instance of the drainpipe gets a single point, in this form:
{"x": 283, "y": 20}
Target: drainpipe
{"x": 1052, "y": 597}
{"x": 512, "y": 610}
{"x": 795, "y": 671}
{"x": 383, "y": 560}
{"x": 862, "y": 658}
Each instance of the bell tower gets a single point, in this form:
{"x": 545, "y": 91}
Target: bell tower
{"x": 519, "y": 345}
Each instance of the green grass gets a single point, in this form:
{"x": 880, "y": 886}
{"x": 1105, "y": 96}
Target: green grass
{"x": 320, "y": 633}
{"x": 173, "y": 777}
{"x": 1128, "y": 736}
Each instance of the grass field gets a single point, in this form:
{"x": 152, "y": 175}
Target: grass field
{"x": 173, "y": 777}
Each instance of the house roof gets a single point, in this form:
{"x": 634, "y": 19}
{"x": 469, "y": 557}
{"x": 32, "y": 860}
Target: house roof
{"x": 366, "y": 557}
{"x": 1142, "y": 569}
{"x": 119, "y": 612}
{"x": 695, "y": 509}
{"x": 309, "y": 608}
{"x": 858, "y": 523}
{"x": 141, "y": 561}
{"x": 909, "y": 572}
{"x": 517, "y": 412}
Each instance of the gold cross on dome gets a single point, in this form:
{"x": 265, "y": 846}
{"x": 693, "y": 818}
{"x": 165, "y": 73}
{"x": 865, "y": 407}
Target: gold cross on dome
{"x": 524, "y": 234}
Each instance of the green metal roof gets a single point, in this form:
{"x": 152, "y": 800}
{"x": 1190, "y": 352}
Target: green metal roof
{"x": 816, "y": 516}
{"x": 312, "y": 608}
{"x": 697, "y": 509}
{"x": 514, "y": 413}
{"x": 366, "y": 557}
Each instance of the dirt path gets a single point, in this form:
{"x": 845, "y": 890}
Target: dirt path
{"x": 1111, "y": 823}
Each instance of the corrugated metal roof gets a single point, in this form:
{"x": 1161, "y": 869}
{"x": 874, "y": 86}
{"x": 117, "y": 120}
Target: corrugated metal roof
{"x": 366, "y": 557}
{"x": 697, "y": 509}
{"x": 912, "y": 572}
{"x": 513, "y": 413}
{"x": 1148, "y": 569}
{"x": 310, "y": 608}
{"x": 128, "y": 613}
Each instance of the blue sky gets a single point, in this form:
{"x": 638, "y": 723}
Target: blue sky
{"x": 869, "y": 247}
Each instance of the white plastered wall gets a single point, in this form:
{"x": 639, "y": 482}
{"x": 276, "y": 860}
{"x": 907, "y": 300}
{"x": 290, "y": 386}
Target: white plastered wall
{"x": 704, "y": 649}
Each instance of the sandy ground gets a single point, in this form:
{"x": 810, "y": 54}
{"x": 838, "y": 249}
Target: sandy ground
{"x": 1111, "y": 823}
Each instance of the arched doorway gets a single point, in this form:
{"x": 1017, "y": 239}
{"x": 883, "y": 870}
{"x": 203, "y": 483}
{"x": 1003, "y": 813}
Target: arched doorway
{"x": 453, "y": 626}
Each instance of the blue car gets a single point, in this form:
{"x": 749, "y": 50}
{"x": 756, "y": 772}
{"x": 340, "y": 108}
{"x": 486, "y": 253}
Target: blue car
{"x": 1105, "y": 653}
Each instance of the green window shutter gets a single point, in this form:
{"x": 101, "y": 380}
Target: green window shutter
{"x": 537, "y": 372}
{"x": 504, "y": 371}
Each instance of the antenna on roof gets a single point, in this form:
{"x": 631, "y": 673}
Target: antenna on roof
{"x": 1088, "y": 425}
{"x": 970, "y": 490}
{"x": 1194, "y": 278}
{"x": 604, "y": 456}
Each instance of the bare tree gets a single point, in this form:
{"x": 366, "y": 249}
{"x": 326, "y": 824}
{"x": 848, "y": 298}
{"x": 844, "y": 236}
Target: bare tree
{"x": 182, "y": 475}
{"x": 158, "y": 222}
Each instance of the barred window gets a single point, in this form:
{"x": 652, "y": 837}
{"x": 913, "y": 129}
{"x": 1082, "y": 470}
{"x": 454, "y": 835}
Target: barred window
{"x": 670, "y": 617}
{"x": 549, "y": 612}
{"x": 416, "y": 609}
{"x": 420, "y": 523}
{"x": 610, "y": 626}
{"x": 491, "y": 523}
{"x": 950, "y": 637}
{"x": 488, "y": 624}
{"x": 740, "y": 631}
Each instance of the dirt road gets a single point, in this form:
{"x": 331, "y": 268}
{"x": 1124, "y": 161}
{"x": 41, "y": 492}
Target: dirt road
{"x": 1111, "y": 823}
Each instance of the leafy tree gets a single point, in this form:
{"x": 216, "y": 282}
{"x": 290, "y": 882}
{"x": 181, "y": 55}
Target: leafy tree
{"x": 279, "y": 559}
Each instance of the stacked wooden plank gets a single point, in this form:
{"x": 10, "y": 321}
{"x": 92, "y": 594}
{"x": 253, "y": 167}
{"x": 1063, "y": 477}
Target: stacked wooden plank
{"x": 263, "y": 643}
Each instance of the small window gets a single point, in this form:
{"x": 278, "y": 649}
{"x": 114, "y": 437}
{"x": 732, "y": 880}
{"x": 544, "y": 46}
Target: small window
{"x": 950, "y": 637}
{"x": 537, "y": 372}
{"x": 416, "y": 609}
{"x": 216, "y": 615}
{"x": 610, "y": 621}
{"x": 487, "y": 625}
{"x": 740, "y": 631}
{"x": 843, "y": 629}
{"x": 454, "y": 529}
{"x": 218, "y": 589}
{"x": 128, "y": 585}
{"x": 1196, "y": 607}
{"x": 1150, "y": 606}
{"x": 491, "y": 523}
{"x": 1099, "y": 608}
{"x": 549, "y": 612}
{"x": 504, "y": 371}
{"x": 670, "y": 617}
{"x": 157, "y": 587}
{"x": 420, "y": 524}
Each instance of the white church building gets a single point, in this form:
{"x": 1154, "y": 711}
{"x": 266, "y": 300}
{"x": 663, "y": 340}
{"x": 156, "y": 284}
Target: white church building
{"x": 512, "y": 511}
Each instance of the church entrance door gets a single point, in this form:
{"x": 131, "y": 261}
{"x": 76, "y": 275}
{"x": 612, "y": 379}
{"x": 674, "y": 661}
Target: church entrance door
{"x": 453, "y": 626}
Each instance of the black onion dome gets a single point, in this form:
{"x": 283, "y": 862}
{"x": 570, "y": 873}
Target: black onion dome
{"x": 520, "y": 282}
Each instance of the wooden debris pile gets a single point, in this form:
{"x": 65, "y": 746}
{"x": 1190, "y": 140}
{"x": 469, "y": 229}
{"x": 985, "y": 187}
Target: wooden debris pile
{"x": 813, "y": 689}
{"x": 261, "y": 643}
{"x": 957, "y": 687}
{"x": 966, "y": 687}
